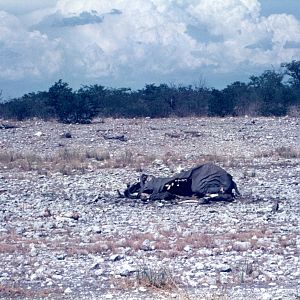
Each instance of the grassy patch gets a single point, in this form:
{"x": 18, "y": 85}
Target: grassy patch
{"x": 17, "y": 291}
{"x": 280, "y": 152}
{"x": 71, "y": 161}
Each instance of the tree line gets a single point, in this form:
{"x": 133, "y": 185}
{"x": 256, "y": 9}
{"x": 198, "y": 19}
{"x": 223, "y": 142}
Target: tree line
{"x": 273, "y": 93}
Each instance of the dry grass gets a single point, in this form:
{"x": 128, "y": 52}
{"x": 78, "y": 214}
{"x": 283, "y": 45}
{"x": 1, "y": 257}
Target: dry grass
{"x": 245, "y": 236}
{"x": 13, "y": 243}
{"x": 97, "y": 154}
{"x": 7, "y": 157}
{"x": 91, "y": 248}
{"x": 129, "y": 159}
{"x": 172, "y": 159}
{"x": 156, "y": 280}
{"x": 287, "y": 152}
{"x": 168, "y": 243}
{"x": 63, "y": 161}
{"x": 160, "y": 278}
{"x": 280, "y": 152}
{"x": 16, "y": 291}
{"x": 71, "y": 161}
{"x": 10, "y": 248}
{"x": 287, "y": 241}
{"x": 200, "y": 240}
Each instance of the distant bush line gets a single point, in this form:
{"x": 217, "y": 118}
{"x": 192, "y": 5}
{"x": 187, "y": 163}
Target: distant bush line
{"x": 273, "y": 93}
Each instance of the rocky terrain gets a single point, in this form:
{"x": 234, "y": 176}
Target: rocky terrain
{"x": 65, "y": 234}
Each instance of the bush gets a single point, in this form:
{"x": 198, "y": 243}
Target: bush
{"x": 266, "y": 95}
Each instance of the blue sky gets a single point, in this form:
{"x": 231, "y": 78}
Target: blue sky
{"x": 124, "y": 43}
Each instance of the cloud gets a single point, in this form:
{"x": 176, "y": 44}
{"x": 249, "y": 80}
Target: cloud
{"x": 292, "y": 45}
{"x": 131, "y": 36}
{"x": 25, "y": 53}
{"x": 139, "y": 41}
{"x": 20, "y": 7}
{"x": 248, "y": 38}
{"x": 58, "y": 20}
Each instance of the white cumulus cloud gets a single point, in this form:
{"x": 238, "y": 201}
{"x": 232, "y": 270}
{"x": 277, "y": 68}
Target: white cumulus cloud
{"x": 25, "y": 53}
{"x": 247, "y": 37}
{"x": 142, "y": 41}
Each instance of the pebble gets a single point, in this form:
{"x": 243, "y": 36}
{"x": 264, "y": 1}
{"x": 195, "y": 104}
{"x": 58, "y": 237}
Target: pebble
{"x": 116, "y": 257}
{"x": 187, "y": 248}
{"x": 127, "y": 269}
{"x": 68, "y": 291}
{"x": 93, "y": 242}
{"x": 99, "y": 272}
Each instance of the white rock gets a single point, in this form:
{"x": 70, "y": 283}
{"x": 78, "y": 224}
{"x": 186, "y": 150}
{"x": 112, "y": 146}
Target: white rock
{"x": 187, "y": 248}
{"x": 99, "y": 272}
{"x": 126, "y": 269}
{"x": 39, "y": 134}
{"x": 266, "y": 296}
{"x": 199, "y": 266}
{"x": 57, "y": 276}
{"x": 116, "y": 257}
{"x": 33, "y": 277}
{"x": 213, "y": 287}
{"x": 272, "y": 284}
{"x": 96, "y": 229}
{"x": 68, "y": 291}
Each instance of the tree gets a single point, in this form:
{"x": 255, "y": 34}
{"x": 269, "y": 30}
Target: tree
{"x": 61, "y": 98}
{"x": 88, "y": 101}
{"x": 265, "y": 94}
{"x": 95, "y": 95}
{"x": 160, "y": 100}
{"x": 71, "y": 107}
{"x": 292, "y": 69}
{"x": 237, "y": 98}
{"x": 19, "y": 109}
{"x": 271, "y": 92}
{"x": 221, "y": 103}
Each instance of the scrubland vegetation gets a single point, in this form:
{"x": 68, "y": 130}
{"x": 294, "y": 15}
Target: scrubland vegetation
{"x": 273, "y": 93}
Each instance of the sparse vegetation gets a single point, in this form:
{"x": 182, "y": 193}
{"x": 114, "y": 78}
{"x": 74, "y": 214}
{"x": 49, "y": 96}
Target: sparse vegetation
{"x": 282, "y": 152}
{"x": 16, "y": 291}
{"x": 97, "y": 154}
{"x": 265, "y": 95}
{"x": 160, "y": 278}
{"x": 70, "y": 161}
{"x": 287, "y": 152}
{"x": 71, "y": 231}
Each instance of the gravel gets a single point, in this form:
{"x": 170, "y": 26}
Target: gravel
{"x": 65, "y": 233}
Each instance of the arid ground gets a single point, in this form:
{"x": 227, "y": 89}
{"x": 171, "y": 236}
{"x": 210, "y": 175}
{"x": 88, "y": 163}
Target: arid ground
{"x": 65, "y": 234}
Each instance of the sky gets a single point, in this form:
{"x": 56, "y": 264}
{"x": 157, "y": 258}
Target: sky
{"x": 130, "y": 43}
